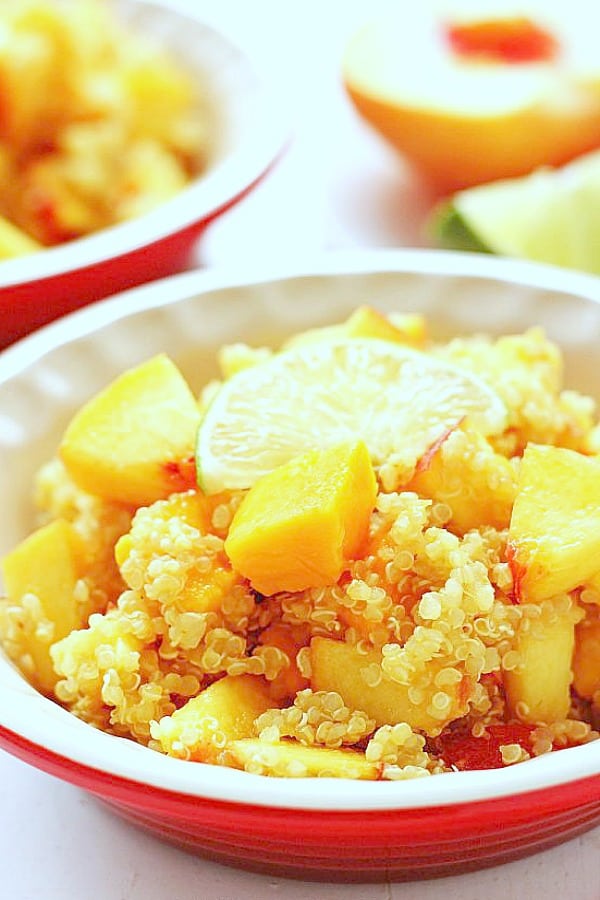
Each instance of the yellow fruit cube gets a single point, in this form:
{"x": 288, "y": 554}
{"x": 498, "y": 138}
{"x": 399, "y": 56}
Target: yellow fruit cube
{"x": 206, "y": 578}
{"x": 206, "y": 724}
{"x": 14, "y": 241}
{"x": 586, "y": 659}
{"x": 132, "y": 442}
{"x": 40, "y": 580}
{"x": 290, "y": 639}
{"x": 554, "y": 534}
{"x": 464, "y": 472}
{"x": 538, "y": 688}
{"x": 593, "y": 589}
{"x": 340, "y": 667}
{"x": 366, "y": 322}
{"x": 289, "y": 759}
{"x": 299, "y": 525}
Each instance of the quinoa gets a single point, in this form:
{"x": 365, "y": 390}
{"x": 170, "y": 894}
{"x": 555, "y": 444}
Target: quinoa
{"x": 428, "y": 609}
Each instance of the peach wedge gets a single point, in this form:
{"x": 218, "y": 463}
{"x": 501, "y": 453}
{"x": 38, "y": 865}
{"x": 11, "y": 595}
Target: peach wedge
{"x": 554, "y": 533}
{"x": 40, "y": 578}
{"x": 130, "y": 442}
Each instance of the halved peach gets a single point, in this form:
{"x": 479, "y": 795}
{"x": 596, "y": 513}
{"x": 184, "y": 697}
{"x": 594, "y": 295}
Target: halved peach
{"x": 475, "y": 100}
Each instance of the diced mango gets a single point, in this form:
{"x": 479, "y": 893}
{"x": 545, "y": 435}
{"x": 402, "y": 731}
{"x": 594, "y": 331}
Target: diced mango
{"x": 538, "y": 689}
{"x": 586, "y": 659}
{"x": 129, "y": 442}
{"x": 554, "y": 534}
{"x": 366, "y": 322}
{"x": 191, "y": 507}
{"x": 14, "y": 241}
{"x": 290, "y": 639}
{"x": 289, "y": 759}
{"x": 337, "y": 666}
{"x": 204, "y": 585}
{"x": 43, "y": 570}
{"x": 299, "y": 525}
{"x": 593, "y": 585}
{"x": 101, "y": 666}
{"x": 234, "y": 358}
{"x": 412, "y": 326}
{"x": 206, "y": 724}
{"x": 463, "y": 471}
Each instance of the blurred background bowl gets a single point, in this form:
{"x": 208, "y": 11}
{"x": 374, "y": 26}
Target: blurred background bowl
{"x": 327, "y": 829}
{"x": 247, "y": 132}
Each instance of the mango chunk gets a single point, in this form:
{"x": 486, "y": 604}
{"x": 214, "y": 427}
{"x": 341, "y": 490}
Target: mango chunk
{"x": 337, "y": 666}
{"x": 586, "y": 659}
{"x": 14, "y": 241}
{"x": 593, "y": 586}
{"x": 224, "y": 712}
{"x": 554, "y": 533}
{"x": 463, "y": 471}
{"x": 131, "y": 442}
{"x": 289, "y": 759}
{"x": 299, "y": 525}
{"x": 176, "y": 529}
{"x": 40, "y": 580}
{"x": 290, "y": 639}
{"x": 366, "y": 322}
{"x": 538, "y": 689}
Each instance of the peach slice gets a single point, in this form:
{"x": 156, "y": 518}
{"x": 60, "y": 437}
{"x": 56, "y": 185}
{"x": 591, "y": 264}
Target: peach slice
{"x": 224, "y": 712}
{"x": 366, "y": 322}
{"x": 554, "y": 532}
{"x": 131, "y": 443}
{"x": 586, "y": 659}
{"x": 289, "y": 759}
{"x": 40, "y": 578}
{"x": 341, "y": 667}
{"x": 463, "y": 471}
{"x": 474, "y": 100}
{"x": 537, "y": 690}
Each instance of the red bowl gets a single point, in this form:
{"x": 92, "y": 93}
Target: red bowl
{"x": 324, "y": 829}
{"x": 247, "y": 133}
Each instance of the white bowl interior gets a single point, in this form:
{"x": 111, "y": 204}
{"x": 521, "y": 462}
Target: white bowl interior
{"x": 46, "y": 377}
{"x": 246, "y": 128}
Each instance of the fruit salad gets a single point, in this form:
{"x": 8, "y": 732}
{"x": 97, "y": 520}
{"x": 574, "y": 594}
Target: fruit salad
{"x": 97, "y": 125}
{"x": 363, "y": 554}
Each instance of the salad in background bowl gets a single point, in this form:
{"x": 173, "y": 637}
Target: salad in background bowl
{"x": 153, "y": 124}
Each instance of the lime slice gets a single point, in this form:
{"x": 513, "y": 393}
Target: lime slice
{"x": 450, "y": 231}
{"x": 398, "y": 400}
{"x": 552, "y": 215}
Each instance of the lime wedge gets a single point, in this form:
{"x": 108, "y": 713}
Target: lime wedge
{"x": 398, "y": 400}
{"x": 552, "y": 215}
{"x": 450, "y": 231}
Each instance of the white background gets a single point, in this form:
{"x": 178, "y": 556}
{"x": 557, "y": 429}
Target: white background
{"x": 337, "y": 186}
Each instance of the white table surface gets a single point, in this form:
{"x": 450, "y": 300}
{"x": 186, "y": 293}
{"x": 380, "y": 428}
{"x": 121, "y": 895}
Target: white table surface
{"x": 337, "y": 187}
